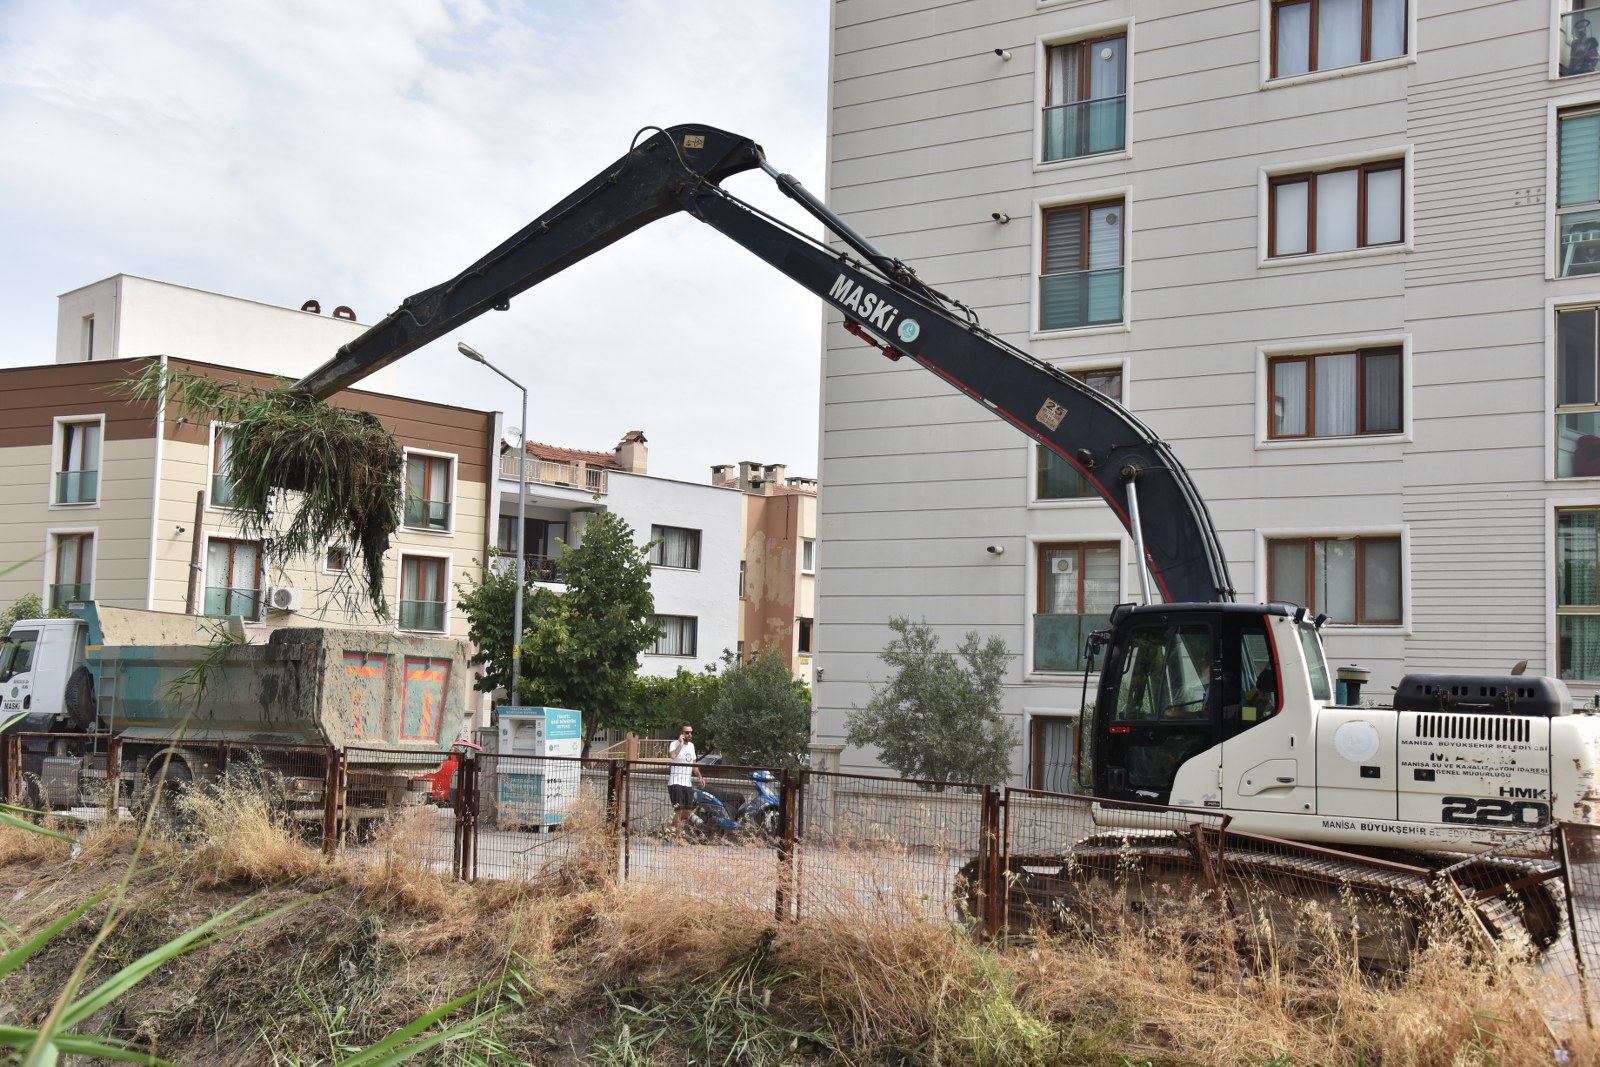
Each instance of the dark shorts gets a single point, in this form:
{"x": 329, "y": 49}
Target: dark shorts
{"x": 682, "y": 796}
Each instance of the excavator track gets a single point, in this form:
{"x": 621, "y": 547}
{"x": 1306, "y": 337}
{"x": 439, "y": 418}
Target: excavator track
{"x": 1281, "y": 901}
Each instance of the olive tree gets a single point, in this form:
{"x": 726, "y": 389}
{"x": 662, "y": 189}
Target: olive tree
{"x": 762, "y": 714}
{"x": 935, "y": 717}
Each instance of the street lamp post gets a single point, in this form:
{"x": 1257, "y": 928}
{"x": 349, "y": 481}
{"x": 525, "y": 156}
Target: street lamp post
{"x": 522, "y": 512}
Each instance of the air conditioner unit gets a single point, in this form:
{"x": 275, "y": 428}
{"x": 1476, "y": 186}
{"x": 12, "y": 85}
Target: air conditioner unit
{"x": 283, "y": 598}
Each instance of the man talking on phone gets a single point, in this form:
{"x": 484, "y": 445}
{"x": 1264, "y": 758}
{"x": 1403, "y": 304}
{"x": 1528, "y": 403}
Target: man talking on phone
{"x": 683, "y": 762}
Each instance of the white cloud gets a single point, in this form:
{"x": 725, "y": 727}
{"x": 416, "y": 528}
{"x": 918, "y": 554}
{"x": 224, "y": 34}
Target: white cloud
{"x": 357, "y": 153}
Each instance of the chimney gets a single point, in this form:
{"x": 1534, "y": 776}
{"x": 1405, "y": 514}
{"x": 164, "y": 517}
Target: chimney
{"x": 772, "y": 474}
{"x": 632, "y": 455}
{"x": 722, "y": 475}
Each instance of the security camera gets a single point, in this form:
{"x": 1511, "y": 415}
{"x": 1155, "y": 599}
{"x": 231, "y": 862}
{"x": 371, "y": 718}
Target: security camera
{"x": 1002, "y": 53}
{"x": 996, "y": 550}
{"x": 1000, "y": 216}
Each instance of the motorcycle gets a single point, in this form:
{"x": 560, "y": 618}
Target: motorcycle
{"x": 720, "y": 810}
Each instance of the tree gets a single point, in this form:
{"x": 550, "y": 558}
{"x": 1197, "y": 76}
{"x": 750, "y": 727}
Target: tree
{"x": 489, "y": 604}
{"x": 762, "y": 715}
{"x": 29, "y": 606}
{"x": 581, "y": 649}
{"x": 667, "y": 703}
{"x": 934, "y": 718}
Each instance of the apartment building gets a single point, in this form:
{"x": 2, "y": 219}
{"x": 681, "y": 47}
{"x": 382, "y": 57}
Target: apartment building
{"x": 1342, "y": 254}
{"x": 118, "y": 501}
{"x": 778, "y": 568}
{"x": 692, "y": 530}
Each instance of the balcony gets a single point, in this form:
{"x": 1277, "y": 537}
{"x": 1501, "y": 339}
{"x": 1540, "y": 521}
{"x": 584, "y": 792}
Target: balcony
{"x": 62, "y": 595}
{"x": 422, "y": 615}
{"x": 225, "y": 600}
{"x": 579, "y": 476}
{"x": 1080, "y": 298}
{"x": 1085, "y": 128}
{"x": 1580, "y": 52}
{"x": 427, "y": 514}
{"x": 1059, "y": 640}
{"x": 77, "y": 487}
{"x": 536, "y": 568}
{"x": 1578, "y": 241}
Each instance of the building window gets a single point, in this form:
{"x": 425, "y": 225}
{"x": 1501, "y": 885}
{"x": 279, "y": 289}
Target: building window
{"x": 1085, "y": 97}
{"x": 422, "y": 592}
{"x": 336, "y": 560}
{"x": 1352, "y": 580}
{"x": 222, "y": 492}
{"x": 1055, "y": 478}
{"x": 1310, "y": 35}
{"x": 1361, "y": 206}
{"x": 77, "y": 473}
{"x": 1580, "y": 50}
{"x": 1080, "y": 276}
{"x": 1578, "y": 192}
{"x": 803, "y": 632}
{"x": 808, "y": 556}
{"x": 674, "y": 546}
{"x": 88, "y": 338}
{"x": 233, "y": 578}
{"x": 428, "y": 492}
{"x": 1577, "y": 393}
{"x": 741, "y": 579}
{"x": 74, "y": 567}
{"x": 676, "y": 635}
{"x": 1335, "y": 394}
{"x": 1578, "y": 594}
{"x": 1078, "y": 586}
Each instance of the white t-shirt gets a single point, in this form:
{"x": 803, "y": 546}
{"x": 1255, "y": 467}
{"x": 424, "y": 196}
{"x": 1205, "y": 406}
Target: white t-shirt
{"x": 683, "y": 754}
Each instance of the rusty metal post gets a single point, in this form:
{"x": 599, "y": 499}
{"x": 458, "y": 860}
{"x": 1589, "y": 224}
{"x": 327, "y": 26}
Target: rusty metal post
{"x": 614, "y": 813}
{"x": 785, "y": 872}
{"x": 464, "y": 845}
{"x": 791, "y": 828}
{"x": 13, "y": 769}
{"x": 113, "y": 778}
{"x": 990, "y": 867}
{"x": 332, "y": 800}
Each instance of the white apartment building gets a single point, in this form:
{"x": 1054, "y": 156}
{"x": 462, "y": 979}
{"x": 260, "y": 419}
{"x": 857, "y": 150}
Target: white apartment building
{"x": 1340, "y": 253}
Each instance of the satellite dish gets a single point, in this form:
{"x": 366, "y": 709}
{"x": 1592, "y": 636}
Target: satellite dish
{"x": 512, "y": 437}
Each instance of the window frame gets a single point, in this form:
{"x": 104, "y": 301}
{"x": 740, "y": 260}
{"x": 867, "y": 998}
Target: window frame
{"x": 1556, "y": 17}
{"x": 52, "y": 570}
{"x": 1556, "y": 610}
{"x": 693, "y": 631}
{"x": 808, "y": 555}
{"x": 658, "y": 547}
{"x": 1266, "y": 355}
{"x": 1310, "y": 177}
{"x": 58, "y": 458}
{"x": 444, "y": 564}
{"x": 805, "y": 631}
{"x": 1099, "y": 31}
{"x": 212, "y": 473}
{"x": 327, "y": 554}
{"x": 1269, "y": 49}
{"x": 1310, "y": 400}
{"x": 451, "y": 488}
{"x": 1269, "y": 538}
{"x": 1090, "y": 199}
{"x": 260, "y": 587}
{"x": 1272, "y": 176}
{"x": 1036, "y": 451}
{"x": 1038, "y": 544}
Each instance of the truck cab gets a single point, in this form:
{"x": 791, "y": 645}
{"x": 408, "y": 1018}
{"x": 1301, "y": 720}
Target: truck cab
{"x": 37, "y": 659}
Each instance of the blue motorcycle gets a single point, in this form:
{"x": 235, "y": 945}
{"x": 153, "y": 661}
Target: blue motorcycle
{"x": 720, "y": 810}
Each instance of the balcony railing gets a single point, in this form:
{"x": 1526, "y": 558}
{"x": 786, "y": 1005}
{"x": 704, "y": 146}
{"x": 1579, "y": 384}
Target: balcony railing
{"x": 77, "y": 487}
{"x": 547, "y": 472}
{"x": 1058, "y": 640}
{"x": 1578, "y": 242}
{"x": 536, "y": 568}
{"x": 221, "y": 491}
{"x": 238, "y": 600}
{"x": 1085, "y": 128}
{"x": 427, "y": 514}
{"x": 421, "y": 615}
{"x": 1080, "y": 298}
{"x": 62, "y": 595}
{"x": 1580, "y": 51}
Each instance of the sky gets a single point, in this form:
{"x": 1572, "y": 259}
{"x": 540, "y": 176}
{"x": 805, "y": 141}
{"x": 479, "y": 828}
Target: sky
{"x": 358, "y": 152}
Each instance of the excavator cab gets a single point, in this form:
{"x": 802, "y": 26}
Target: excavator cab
{"x": 1178, "y": 681}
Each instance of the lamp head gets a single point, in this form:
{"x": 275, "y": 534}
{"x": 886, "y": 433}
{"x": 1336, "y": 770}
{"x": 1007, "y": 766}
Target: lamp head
{"x": 470, "y": 352}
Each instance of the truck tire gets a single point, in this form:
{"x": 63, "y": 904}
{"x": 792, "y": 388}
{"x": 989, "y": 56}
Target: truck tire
{"x": 169, "y": 819}
{"x": 79, "y": 697}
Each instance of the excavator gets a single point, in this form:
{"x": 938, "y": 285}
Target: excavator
{"x": 1224, "y": 709}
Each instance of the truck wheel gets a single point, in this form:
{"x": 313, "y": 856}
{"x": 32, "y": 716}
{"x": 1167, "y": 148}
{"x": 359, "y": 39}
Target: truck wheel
{"x": 175, "y": 778}
{"x": 79, "y": 697}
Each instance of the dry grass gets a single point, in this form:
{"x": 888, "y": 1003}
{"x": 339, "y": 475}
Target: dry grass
{"x": 399, "y": 871}
{"x": 239, "y": 835}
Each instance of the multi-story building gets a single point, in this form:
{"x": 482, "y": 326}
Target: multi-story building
{"x": 1341, "y": 254}
{"x": 692, "y": 530}
{"x": 777, "y": 572}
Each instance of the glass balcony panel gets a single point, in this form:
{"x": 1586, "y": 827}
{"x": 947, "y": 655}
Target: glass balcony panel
{"x": 1580, "y": 51}
{"x": 1578, "y": 242}
{"x": 1080, "y": 298}
{"x": 1578, "y": 643}
{"x": 421, "y": 615}
{"x": 222, "y": 495}
{"x": 1085, "y": 128}
{"x": 427, "y": 514}
{"x": 225, "y": 600}
{"x": 1578, "y": 444}
{"x": 62, "y": 595}
{"x": 77, "y": 487}
{"x": 1058, "y": 640}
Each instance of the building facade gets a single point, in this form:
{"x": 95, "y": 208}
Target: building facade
{"x": 778, "y": 568}
{"x": 1341, "y": 255}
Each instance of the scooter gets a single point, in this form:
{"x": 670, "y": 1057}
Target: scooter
{"x": 730, "y": 811}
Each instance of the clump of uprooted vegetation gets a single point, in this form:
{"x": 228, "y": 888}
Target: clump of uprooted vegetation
{"x": 342, "y": 467}
{"x": 329, "y": 956}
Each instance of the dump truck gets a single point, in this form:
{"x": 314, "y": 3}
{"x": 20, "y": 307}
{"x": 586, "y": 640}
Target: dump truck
{"x": 98, "y": 707}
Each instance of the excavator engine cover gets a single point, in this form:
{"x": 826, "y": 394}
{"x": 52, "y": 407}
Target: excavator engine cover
{"x": 1489, "y": 694}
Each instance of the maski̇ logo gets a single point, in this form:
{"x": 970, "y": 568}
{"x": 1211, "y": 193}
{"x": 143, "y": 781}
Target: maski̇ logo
{"x": 909, "y": 330}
